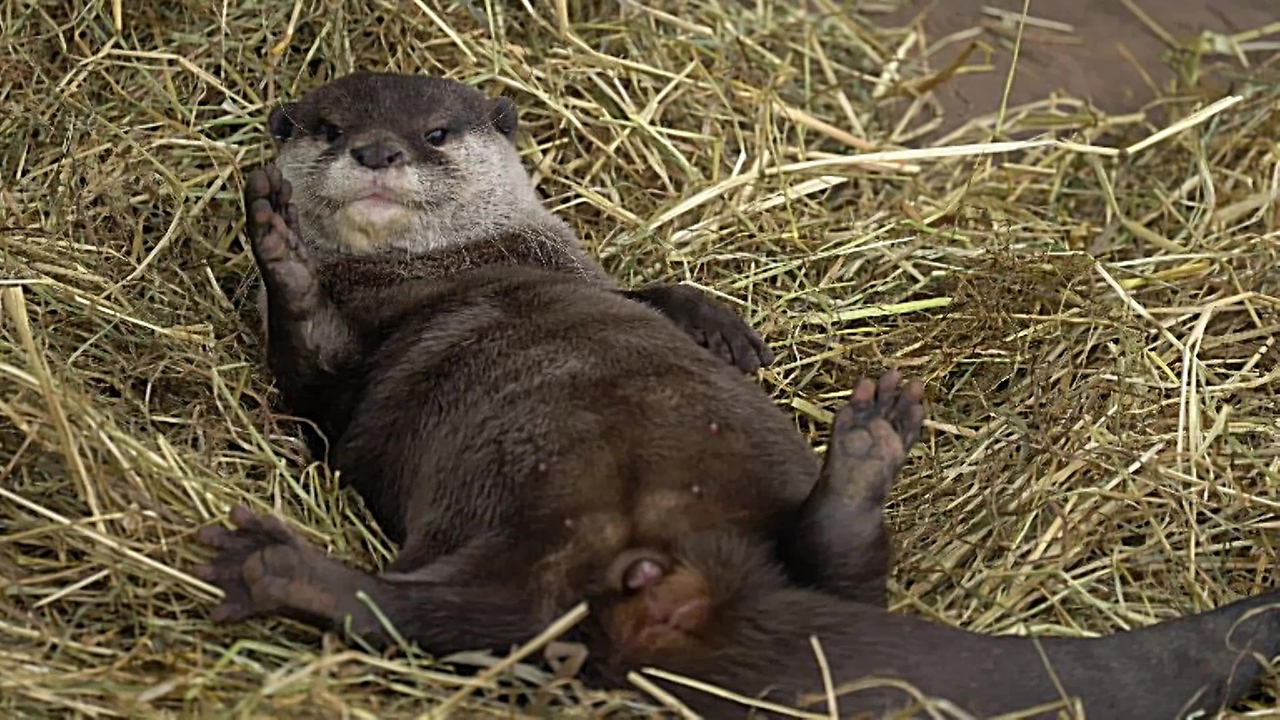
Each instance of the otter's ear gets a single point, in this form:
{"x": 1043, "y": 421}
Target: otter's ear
{"x": 505, "y": 116}
{"x": 280, "y": 121}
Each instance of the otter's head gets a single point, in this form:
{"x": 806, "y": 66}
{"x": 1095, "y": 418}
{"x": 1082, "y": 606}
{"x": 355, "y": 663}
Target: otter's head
{"x": 409, "y": 162}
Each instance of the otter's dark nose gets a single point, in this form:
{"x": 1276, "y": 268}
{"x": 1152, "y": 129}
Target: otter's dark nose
{"x": 377, "y": 156}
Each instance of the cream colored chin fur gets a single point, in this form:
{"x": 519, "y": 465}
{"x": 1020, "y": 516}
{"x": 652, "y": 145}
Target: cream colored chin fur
{"x": 360, "y": 230}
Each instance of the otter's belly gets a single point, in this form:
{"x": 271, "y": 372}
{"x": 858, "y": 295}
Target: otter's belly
{"x": 710, "y": 466}
{"x": 575, "y": 433}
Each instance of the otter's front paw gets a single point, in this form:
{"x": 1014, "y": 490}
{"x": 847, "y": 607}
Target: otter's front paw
{"x": 872, "y": 435}
{"x": 710, "y": 323}
{"x": 272, "y": 229}
{"x": 264, "y": 569}
{"x": 266, "y": 193}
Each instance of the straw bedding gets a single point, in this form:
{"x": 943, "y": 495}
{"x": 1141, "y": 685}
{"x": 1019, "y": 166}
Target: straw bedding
{"x": 1096, "y": 331}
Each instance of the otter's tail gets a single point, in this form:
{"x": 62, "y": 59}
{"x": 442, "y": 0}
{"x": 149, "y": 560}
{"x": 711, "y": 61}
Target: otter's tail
{"x": 1203, "y": 662}
{"x": 1173, "y": 669}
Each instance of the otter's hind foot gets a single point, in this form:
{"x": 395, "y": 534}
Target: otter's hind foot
{"x": 872, "y": 435}
{"x": 839, "y": 542}
{"x": 264, "y": 569}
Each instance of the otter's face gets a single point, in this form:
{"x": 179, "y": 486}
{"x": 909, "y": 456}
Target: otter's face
{"x": 383, "y": 161}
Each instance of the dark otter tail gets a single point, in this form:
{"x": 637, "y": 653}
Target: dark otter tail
{"x": 1174, "y": 669}
{"x": 1203, "y": 662}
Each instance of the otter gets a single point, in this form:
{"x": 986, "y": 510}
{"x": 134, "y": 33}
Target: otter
{"x": 417, "y": 294}
{"x": 531, "y": 436}
{"x": 726, "y": 615}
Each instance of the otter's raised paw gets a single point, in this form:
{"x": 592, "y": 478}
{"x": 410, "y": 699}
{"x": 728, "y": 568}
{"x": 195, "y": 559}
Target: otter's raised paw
{"x": 710, "y": 323}
{"x": 264, "y": 569}
{"x": 872, "y": 435}
{"x": 266, "y": 193}
{"x": 277, "y": 248}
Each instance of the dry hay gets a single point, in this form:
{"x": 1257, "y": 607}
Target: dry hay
{"x": 1096, "y": 332}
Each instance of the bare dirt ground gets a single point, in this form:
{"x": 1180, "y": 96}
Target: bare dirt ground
{"x": 1098, "y": 50}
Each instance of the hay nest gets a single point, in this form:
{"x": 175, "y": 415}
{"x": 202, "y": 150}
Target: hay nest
{"x": 1096, "y": 330}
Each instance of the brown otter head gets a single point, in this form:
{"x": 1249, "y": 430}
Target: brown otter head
{"x": 414, "y": 163}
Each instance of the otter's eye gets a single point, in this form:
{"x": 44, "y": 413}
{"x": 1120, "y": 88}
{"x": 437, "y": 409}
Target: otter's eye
{"x": 330, "y": 131}
{"x": 436, "y": 137}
